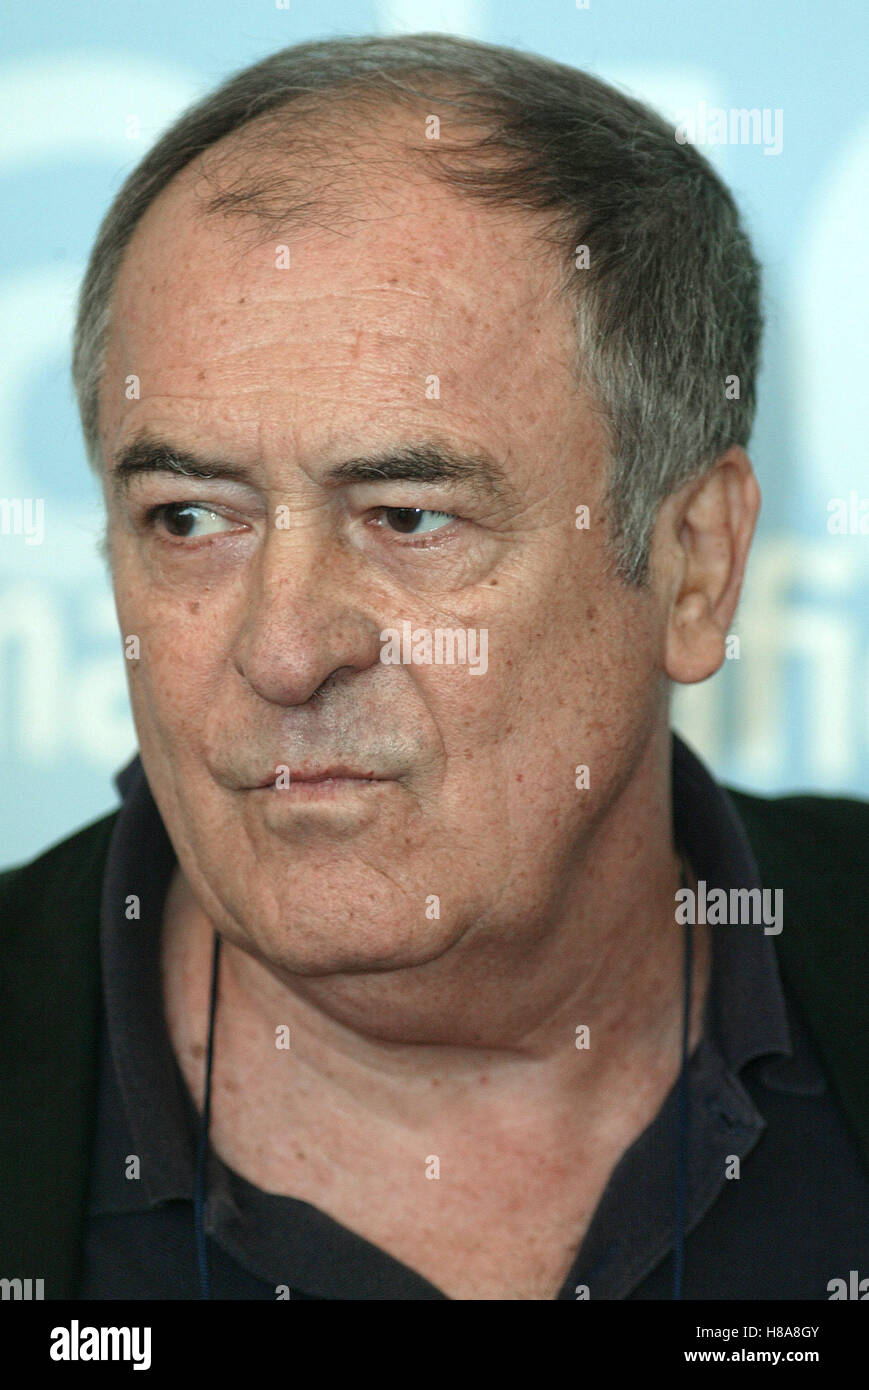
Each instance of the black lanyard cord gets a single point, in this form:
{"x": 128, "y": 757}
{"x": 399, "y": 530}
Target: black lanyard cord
{"x": 199, "y": 1190}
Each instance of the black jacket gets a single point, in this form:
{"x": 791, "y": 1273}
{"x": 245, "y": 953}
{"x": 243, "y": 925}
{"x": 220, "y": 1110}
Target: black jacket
{"x": 816, "y": 849}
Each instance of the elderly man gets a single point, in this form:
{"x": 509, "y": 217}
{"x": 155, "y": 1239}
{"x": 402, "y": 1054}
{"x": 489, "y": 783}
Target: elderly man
{"x": 418, "y": 375}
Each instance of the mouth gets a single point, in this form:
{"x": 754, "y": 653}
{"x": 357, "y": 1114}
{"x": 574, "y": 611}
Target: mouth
{"x": 317, "y": 777}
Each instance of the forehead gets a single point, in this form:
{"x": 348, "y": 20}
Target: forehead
{"x": 247, "y": 326}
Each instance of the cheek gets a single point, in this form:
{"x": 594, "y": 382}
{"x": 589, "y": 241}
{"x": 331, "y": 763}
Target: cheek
{"x": 172, "y": 684}
{"x": 571, "y": 689}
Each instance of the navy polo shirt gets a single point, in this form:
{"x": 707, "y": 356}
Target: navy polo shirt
{"x": 795, "y": 1217}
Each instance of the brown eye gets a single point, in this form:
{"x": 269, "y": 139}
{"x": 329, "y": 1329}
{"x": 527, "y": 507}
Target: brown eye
{"x": 406, "y": 520}
{"x": 181, "y": 519}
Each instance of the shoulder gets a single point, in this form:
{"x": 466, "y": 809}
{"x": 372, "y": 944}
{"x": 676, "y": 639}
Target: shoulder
{"x": 815, "y": 849}
{"x": 60, "y": 878}
{"x": 49, "y": 947}
{"x": 806, "y": 835}
{"x": 49, "y": 1031}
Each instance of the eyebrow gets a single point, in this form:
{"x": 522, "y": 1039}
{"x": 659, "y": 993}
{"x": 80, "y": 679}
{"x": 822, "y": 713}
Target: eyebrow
{"x": 428, "y": 462}
{"x": 147, "y": 454}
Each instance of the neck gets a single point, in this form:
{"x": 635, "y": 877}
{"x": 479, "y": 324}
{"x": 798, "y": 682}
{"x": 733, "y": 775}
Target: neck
{"x": 475, "y": 1036}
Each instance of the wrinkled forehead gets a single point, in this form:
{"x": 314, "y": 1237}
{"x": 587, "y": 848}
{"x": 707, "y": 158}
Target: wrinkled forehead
{"x": 382, "y": 274}
{"x": 238, "y": 213}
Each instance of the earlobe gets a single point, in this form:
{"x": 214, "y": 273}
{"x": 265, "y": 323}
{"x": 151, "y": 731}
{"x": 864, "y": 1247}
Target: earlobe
{"x": 694, "y": 648}
{"x": 713, "y": 520}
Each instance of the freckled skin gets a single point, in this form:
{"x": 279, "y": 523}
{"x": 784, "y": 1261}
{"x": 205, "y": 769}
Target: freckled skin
{"x": 260, "y": 646}
{"x": 225, "y": 687}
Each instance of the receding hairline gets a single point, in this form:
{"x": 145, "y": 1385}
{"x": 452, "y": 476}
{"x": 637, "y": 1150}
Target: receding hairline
{"x": 331, "y": 202}
{"x": 246, "y": 177}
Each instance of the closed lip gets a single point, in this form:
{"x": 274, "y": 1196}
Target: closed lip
{"x": 325, "y": 774}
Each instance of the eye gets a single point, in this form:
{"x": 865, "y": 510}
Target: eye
{"x": 181, "y": 518}
{"x": 414, "y": 521}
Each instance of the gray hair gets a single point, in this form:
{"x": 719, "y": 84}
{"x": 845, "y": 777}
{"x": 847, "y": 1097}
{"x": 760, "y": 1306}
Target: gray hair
{"x": 667, "y": 310}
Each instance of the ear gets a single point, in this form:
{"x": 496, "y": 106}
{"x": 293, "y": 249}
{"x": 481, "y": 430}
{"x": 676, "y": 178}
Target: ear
{"x": 701, "y": 542}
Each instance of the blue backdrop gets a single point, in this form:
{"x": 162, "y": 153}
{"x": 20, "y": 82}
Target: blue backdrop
{"x": 86, "y": 87}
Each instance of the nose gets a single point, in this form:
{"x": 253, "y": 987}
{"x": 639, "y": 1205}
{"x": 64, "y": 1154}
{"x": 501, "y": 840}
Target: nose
{"x": 304, "y": 617}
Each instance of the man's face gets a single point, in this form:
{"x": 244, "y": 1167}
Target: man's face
{"x": 427, "y": 321}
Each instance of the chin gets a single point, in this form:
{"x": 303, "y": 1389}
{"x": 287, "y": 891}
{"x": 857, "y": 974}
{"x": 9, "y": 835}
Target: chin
{"x": 323, "y": 940}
